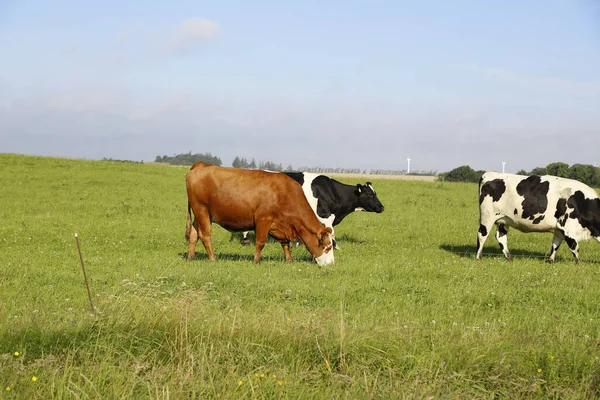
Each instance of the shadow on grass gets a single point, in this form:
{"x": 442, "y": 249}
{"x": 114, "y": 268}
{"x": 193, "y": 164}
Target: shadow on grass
{"x": 237, "y": 236}
{"x": 466, "y": 251}
{"x": 345, "y": 238}
{"x": 202, "y": 256}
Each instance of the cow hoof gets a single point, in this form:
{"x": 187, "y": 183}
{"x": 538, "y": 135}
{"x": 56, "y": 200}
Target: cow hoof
{"x": 245, "y": 242}
{"x": 550, "y": 261}
{"x": 509, "y": 258}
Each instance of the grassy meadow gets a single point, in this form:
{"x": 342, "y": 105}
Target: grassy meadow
{"x": 405, "y": 311}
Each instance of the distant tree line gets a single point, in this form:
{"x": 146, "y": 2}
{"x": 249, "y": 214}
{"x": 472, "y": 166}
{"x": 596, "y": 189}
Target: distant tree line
{"x": 122, "y": 161}
{"x": 325, "y": 170}
{"x": 242, "y": 162}
{"x": 189, "y": 159}
{"x": 588, "y": 174}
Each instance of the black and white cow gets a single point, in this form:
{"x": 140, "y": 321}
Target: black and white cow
{"x": 333, "y": 201}
{"x": 567, "y": 208}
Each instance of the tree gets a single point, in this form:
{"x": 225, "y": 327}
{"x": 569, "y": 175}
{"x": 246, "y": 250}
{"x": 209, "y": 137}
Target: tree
{"x": 463, "y": 173}
{"x": 522, "y": 172}
{"x": 237, "y": 163}
{"x": 558, "y": 169}
{"x": 583, "y": 173}
{"x": 539, "y": 171}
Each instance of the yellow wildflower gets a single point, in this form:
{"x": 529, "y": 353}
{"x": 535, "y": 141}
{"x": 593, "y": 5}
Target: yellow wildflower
{"x": 16, "y": 354}
{"x": 34, "y": 378}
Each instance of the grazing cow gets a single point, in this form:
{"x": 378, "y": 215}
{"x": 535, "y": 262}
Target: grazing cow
{"x": 332, "y": 201}
{"x": 240, "y": 199}
{"x": 567, "y": 208}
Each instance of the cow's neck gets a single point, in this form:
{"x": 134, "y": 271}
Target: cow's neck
{"x": 349, "y": 203}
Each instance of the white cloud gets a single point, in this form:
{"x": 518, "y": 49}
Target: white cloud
{"x": 190, "y": 33}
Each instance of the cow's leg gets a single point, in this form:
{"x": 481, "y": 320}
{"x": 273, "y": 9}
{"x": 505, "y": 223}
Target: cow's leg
{"x": 286, "y": 251}
{"x": 261, "y": 233}
{"x": 203, "y": 227}
{"x": 574, "y": 246}
{"x": 192, "y": 236}
{"x": 482, "y": 235}
{"x": 556, "y": 241}
{"x": 502, "y": 237}
{"x": 281, "y": 236}
{"x": 245, "y": 241}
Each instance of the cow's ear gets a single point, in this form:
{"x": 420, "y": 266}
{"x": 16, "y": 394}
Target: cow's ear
{"x": 358, "y": 190}
{"x": 329, "y": 230}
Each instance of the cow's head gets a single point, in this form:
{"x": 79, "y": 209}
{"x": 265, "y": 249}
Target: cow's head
{"x": 325, "y": 246}
{"x": 367, "y": 198}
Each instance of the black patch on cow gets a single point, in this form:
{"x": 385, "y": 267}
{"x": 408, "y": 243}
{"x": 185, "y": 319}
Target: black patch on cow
{"x": 502, "y": 231}
{"x": 586, "y": 211}
{"x": 572, "y": 243}
{"x": 494, "y": 188}
{"x": 535, "y": 196}
{"x": 322, "y": 189}
{"x": 297, "y": 176}
{"x": 561, "y": 208}
{"x": 516, "y": 212}
{"x": 483, "y": 230}
{"x": 538, "y": 219}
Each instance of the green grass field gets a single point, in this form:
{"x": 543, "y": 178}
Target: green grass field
{"x": 405, "y": 312}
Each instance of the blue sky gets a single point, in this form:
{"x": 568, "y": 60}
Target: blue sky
{"x": 352, "y": 84}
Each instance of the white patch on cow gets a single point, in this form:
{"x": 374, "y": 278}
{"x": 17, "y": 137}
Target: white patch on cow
{"x": 359, "y": 209}
{"x": 371, "y": 186}
{"x": 575, "y": 231}
{"x": 327, "y": 257}
{"x": 309, "y": 177}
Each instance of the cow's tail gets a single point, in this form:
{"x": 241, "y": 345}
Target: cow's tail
{"x": 188, "y": 224}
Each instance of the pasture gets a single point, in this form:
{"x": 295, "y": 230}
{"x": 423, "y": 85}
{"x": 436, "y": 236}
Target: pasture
{"x": 405, "y": 311}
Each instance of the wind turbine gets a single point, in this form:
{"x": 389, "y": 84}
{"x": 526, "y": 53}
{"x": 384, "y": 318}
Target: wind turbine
{"x": 503, "y": 165}
{"x": 408, "y": 169}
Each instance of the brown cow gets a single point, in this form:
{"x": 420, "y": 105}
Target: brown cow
{"x": 240, "y": 200}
